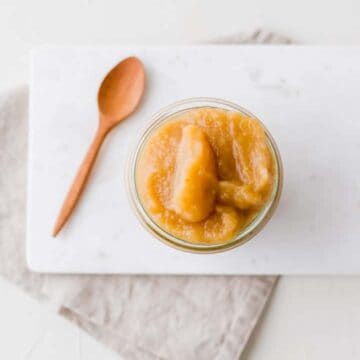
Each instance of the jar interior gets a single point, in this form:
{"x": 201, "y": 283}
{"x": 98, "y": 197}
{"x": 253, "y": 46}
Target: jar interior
{"x": 246, "y": 233}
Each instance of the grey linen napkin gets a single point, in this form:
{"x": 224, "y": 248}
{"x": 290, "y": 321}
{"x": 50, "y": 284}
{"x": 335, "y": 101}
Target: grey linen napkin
{"x": 140, "y": 317}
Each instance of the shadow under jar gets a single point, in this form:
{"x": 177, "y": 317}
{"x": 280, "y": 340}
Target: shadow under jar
{"x": 206, "y": 175}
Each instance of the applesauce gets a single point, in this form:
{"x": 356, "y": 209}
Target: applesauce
{"x": 204, "y": 174}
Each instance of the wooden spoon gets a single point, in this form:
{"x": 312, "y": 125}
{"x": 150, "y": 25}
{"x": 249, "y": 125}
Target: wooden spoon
{"x": 119, "y": 95}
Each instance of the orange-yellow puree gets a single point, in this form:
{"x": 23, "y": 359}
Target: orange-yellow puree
{"x": 204, "y": 174}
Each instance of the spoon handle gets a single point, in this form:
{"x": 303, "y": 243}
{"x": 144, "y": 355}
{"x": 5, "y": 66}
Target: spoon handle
{"x": 80, "y": 180}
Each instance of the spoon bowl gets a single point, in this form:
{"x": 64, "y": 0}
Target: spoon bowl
{"x": 121, "y": 91}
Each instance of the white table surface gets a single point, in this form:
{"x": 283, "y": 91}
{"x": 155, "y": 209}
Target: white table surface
{"x": 308, "y": 317}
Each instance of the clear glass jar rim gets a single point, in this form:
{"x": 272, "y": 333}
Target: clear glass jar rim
{"x": 245, "y": 234}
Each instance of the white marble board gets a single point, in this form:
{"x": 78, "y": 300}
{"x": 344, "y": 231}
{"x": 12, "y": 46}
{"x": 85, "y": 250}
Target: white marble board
{"x": 308, "y": 97}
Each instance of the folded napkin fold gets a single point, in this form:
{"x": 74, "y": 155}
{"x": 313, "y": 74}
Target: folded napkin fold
{"x": 140, "y": 317}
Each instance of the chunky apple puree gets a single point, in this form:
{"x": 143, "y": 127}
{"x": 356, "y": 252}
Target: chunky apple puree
{"x": 205, "y": 173}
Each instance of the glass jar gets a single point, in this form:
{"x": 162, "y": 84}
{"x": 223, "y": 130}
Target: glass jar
{"x": 245, "y": 234}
